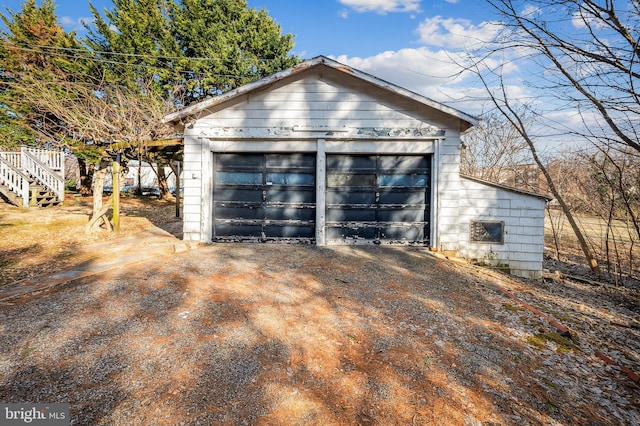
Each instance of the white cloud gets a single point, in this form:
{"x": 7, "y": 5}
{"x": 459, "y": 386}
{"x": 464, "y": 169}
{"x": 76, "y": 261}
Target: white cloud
{"x": 76, "y": 24}
{"x": 452, "y": 1}
{"x": 434, "y": 74}
{"x": 383, "y": 6}
{"x": 343, "y": 13}
{"x": 456, "y": 33}
{"x": 581, "y": 20}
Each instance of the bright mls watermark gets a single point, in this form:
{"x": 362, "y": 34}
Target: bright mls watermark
{"x": 34, "y": 414}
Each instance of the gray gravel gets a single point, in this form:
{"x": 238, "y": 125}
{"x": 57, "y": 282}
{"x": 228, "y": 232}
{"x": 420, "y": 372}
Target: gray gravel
{"x": 275, "y": 334}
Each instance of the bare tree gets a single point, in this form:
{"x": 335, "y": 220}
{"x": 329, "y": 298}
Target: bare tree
{"x": 512, "y": 114}
{"x": 495, "y": 151}
{"x": 588, "y": 52}
{"x": 104, "y": 119}
{"x": 581, "y": 56}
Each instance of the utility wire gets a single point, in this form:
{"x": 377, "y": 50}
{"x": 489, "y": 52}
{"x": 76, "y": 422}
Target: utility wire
{"x": 86, "y": 56}
{"x": 132, "y": 55}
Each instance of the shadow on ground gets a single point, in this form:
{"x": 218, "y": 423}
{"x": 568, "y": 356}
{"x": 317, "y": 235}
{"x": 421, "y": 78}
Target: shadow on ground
{"x": 274, "y": 334}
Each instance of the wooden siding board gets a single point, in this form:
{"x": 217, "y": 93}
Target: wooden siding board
{"x": 260, "y": 146}
{"x": 328, "y": 103}
{"x": 192, "y": 195}
{"x": 318, "y": 120}
{"x": 524, "y": 226}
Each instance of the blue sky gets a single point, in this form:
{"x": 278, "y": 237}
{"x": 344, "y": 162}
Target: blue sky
{"x": 330, "y": 27}
{"x": 407, "y": 42}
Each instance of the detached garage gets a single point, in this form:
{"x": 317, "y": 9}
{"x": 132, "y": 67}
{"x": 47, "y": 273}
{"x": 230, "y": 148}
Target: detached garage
{"x": 324, "y": 154}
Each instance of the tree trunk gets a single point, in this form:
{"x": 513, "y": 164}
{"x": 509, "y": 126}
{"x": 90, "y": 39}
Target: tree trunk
{"x": 582, "y": 241}
{"x": 115, "y": 194}
{"x": 175, "y": 167}
{"x": 86, "y": 176}
{"x": 163, "y": 186}
{"x": 98, "y": 185}
{"x": 509, "y": 112}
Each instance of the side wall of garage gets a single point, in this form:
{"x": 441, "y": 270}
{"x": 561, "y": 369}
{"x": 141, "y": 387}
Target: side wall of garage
{"x": 501, "y": 228}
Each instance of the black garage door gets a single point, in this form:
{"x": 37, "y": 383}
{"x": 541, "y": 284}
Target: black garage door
{"x": 378, "y": 199}
{"x": 264, "y": 197}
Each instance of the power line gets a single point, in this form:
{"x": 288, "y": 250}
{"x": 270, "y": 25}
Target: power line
{"x": 86, "y": 56}
{"x": 132, "y": 55}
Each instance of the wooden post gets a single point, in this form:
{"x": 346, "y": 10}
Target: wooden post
{"x": 115, "y": 194}
{"x": 175, "y": 166}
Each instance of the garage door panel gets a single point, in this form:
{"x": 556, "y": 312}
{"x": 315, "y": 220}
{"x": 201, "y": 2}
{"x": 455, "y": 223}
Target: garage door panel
{"x": 404, "y": 215}
{"x": 351, "y": 215}
{"x": 351, "y": 233}
{"x": 355, "y": 197}
{"x": 238, "y": 231}
{"x": 250, "y": 195}
{"x": 402, "y": 233}
{"x": 290, "y": 213}
{"x": 352, "y": 163}
{"x": 289, "y": 161}
{"x": 403, "y": 162}
{"x": 238, "y": 213}
{"x": 290, "y": 231}
{"x": 240, "y": 161}
{"x": 290, "y": 195}
{"x": 403, "y": 197}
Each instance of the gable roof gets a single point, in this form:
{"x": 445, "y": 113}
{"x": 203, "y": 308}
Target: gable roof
{"x": 180, "y": 116}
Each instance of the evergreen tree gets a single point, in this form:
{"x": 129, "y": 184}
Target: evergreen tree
{"x": 238, "y": 45}
{"x": 189, "y": 50}
{"x": 35, "y": 47}
{"x": 134, "y": 44}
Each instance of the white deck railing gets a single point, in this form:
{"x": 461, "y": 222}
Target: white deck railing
{"x": 53, "y": 159}
{"x": 43, "y": 173}
{"x": 45, "y": 166}
{"x": 14, "y": 179}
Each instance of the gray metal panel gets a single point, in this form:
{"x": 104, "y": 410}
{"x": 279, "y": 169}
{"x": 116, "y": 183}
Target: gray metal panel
{"x": 264, "y": 197}
{"x": 379, "y": 199}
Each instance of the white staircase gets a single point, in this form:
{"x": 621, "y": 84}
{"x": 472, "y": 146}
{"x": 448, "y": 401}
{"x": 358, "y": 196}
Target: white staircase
{"x": 32, "y": 177}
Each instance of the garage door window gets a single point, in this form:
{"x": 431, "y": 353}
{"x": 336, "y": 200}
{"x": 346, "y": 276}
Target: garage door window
{"x": 238, "y": 178}
{"x": 403, "y": 180}
{"x": 305, "y": 179}
{"x": 336, "y": 180}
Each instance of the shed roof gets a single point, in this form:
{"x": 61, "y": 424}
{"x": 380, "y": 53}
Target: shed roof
{"x": 506, "y": 187}
{"x": 467, "y": 120}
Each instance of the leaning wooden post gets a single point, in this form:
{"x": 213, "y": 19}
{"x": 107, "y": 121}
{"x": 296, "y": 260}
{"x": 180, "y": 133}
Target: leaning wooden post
{"x": 115, "y": 186}
{"x": 175, "y": 167}
{"x": 178, "y": 193}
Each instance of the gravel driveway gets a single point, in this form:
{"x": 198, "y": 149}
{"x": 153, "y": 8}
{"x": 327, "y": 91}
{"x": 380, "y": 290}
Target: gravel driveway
{"x": 291, "y": 335}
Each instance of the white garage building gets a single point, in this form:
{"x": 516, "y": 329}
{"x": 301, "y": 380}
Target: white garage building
{"x": 322, "y": 153}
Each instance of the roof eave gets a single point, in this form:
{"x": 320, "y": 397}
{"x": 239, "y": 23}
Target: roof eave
{"x": 506, "y": 187}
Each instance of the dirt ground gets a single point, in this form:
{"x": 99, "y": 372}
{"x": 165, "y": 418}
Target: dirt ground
{"x": 36, "y": 242}
{"x": 292, "y": 335}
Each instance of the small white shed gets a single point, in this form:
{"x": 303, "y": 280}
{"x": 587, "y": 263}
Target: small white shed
{"x": 322, "y": 153}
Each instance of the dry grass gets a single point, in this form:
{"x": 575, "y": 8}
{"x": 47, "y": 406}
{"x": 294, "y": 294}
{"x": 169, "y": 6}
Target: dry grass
{"x": 622, "y": 263}
{"x": 39, "y": 241}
